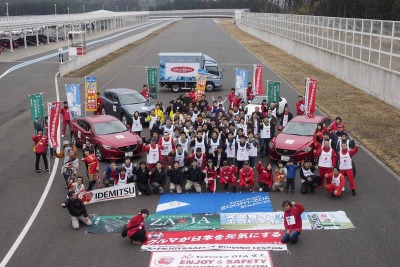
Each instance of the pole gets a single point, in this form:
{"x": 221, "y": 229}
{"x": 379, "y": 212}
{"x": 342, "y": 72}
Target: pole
{"x": 7, "y": 11}
{"x": 83, "y": 8}
{"x": 68, "y": 10}
{"x": 55, "y": 9}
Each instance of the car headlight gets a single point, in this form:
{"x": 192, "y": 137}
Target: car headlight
{"x": 307, "y": 149}
{"x": 107, "y": 147}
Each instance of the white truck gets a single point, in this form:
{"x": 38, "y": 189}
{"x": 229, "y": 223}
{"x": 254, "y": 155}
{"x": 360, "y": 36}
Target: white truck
{"x": 179, "y": 70}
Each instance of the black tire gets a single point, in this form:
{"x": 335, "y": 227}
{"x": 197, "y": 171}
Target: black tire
{"x": 73, "y": 139}
{"x": 210, "y": 87}
{"x": 98, "y": 153}
{"x": 175, "y": 87}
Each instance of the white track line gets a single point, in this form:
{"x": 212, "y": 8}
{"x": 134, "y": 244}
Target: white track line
{"x": 41, "y": 201}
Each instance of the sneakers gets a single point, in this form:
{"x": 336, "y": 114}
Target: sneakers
{"x": 251, "y": 189}
{"x": 226, "y": 186}
{"x": 260, "y": 189}
{"x": 139, "y": 193}
{"x": 353, "y": 192}
{"x": 62, "y": 135}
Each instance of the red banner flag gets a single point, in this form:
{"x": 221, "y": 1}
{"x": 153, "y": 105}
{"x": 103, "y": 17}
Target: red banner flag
{"x": 258, "y": 80}
{"x": 214, "y": 240}
{"x": 310, "y": 96}
{"x": 53, "y": 122}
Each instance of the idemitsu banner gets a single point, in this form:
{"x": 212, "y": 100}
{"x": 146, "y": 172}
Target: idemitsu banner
{"x": 109, "y": 193}
{"x": 310, "y": 95}
{"x": 53, "y": 122}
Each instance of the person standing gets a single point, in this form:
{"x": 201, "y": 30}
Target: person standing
{"x": 230, "y": 145}
{"x": 285, "y": 117}
{"x": 336, "y": 185}
{"x": 137, "y": 229}
{"x": 300, "y": 106}
{"x": 65, "y": 113}
{"x": 137, "y": 123}
{"x": 153, "y": 153}
{"x": 199, "y": 157}
{"x": 346, "y": 165}
{"x": 166, "y": 144}
{"x": 254, "y": 144}
{"x": 77, "y": 210}
{"x": 92, "y": 166}
{"x": 326, "y": 160}
{"x": 242, "y": 149}
{"x": 145, "y": 93}
{"x": 40, "y": 149}
{"x": 100, "y": 105}
{"x": 291, "y": 175}
{"x": 266, "y": 133}
{"x": 246, "y": 177}
{"x": 292, "y": 221}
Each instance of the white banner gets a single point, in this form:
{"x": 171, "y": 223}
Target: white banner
{"x": 108, "y": 193}
{"x": 233, "y": 247}
{"x": 181, "y": 69}
{"x": 211, "y": 258}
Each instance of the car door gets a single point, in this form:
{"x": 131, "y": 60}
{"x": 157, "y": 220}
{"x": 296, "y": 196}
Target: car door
{"x": 108, "y": 103}
{"x": 117, "y": 106}
{"x": 86, "y": 131}
{"x": 80, "y": 124}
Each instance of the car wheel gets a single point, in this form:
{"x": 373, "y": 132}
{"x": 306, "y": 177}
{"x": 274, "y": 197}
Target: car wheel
{"x": 98, "y": 153}
{"x": 175, "y": 87}
{"x": 209, "y": 87}
{"x": 124, "y": 119}
{"x": 73, "y": 139}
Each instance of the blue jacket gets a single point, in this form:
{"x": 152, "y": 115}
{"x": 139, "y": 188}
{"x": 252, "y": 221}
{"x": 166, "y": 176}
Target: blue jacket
{"x": 291, "y": 171}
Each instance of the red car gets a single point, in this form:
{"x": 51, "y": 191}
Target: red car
{"x": 296, "y": 139}
{"x": 112, "y": 140}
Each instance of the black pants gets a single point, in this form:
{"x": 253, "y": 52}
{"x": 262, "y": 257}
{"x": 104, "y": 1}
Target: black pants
{"x": 240, "y": 164}
{"x": 144, "y": 188}
{"x": 139, "y": 235}
{"x": 314, "y": 183}
{"x": 264, "y": 186}
{"x": 289, "y": 182}
{"x": 46, "y": 164}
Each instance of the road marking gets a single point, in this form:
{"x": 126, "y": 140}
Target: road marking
{"x": 28, "y": 225}
{"x": 65, "y": 51}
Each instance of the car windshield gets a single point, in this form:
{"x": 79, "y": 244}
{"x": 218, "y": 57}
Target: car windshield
{"x": 258, "y": 100}
{"x": 109, "y": 127}
{"x": 300, "y": 128}
{"x": 129, "y": 99}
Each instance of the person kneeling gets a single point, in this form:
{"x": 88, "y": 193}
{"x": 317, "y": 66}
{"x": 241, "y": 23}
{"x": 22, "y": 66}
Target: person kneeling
{"x": 336, "y": 185}
{"x": 292, "y": 221}
{"x": 137, "y": 228}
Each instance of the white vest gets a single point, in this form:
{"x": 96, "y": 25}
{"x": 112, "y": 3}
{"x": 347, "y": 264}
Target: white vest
{"x": 180, "y": 158}
{"x": 79, "y": 190}
{"x": 136, "y": 125}
{"x": 166, "y": 146}
{"x": 266, "y": 131}
{"x": 242, "y": 153}
{"x": 308, "y": 172}
{"x": 194, "y": 116}
{"x": 129, "y": 170}
{"x": 231, "y": 150}
{"x": 153, "y": 155}
{"x": 169, "y": 130}
{"x": 153, "y": 119}
{"x": 185, "y": 146}
{"x": 253, "y": 149}
{"x": 340, "y": 142}
{"x": 122, "y": 181}
{"x": 213, "y": 146}
{"x": 199, "y": 160}
{"x": 199, "y": 144}
{"x": 336, "y": 180}
{"x": 256, "y": 126}
{"x": 285, "y": 120}
{"x": 325, "y": 159}
{"x": 345, "y": 161}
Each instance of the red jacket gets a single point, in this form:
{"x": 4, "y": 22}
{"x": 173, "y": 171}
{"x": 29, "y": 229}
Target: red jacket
{"x": 296, "y": 212}
{"x": 192, "y": 96}
{"x": 160, "y": 142}
{"x": 211, "y": 173}
{"x": 246, "y": 175}
{"x": 92, "y": 163}
{"x": 249, "y": 93}
{"x": 236, "y": 101}
{"x": 40, "y": 143}
{"x": 100, "y": 104}
{"x": 264, "y": 175}
{"x": 318, "y": 135}
{"x": 192, "y": 156}
{"x": 342, "y": 181}
{"x": 137, "y": 223}
{"x": 65, "y": 114}
{"x": 298, "y": 105}
{"x": 145, "y": 93}
{"x": 231, "y": 96}
{"x": 227, "y": 173}
{"x": 327, "y": 150}
{"x": 146, "y": 148}
{"x": 334, "y": 126}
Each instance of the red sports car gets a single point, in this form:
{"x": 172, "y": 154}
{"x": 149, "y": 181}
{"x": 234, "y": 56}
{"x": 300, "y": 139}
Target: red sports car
{"x": 296, "y": 139}
{"x": 112, "y": 140}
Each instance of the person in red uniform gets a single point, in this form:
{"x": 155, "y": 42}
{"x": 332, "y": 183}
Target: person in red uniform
{"x": 227, "y": 175}
{"x": 249, "y": 91}
{"x": 345, "y": 165}
{"x": 300, "y": 106}
{"x": 210, "y": 172}
{"x": 199, "y": 156}
{"x": 145, "y": 93}
{"x": 231, "y": 96}
{"x": 93, "y": 167}
{"x": 192, "y": 94}
{"x": 166, "y": 144}
{"x": 265, "y": 177}
{"x": 292, "y": 221}
{"x": 66, "y": 118}
{"x": 153, "y": 153}
{"x": 318, "y": 136}
{"x": 100, "y": 105}
{"x": 40, "y": 148}
{"x": 335, "y": 125}
{"x": 336, "y": 185}
{"x": 326, "y": 160}
{"x": 137, "y": 229}
{"x": 246, "y": 176}
{"x": 236, "y": 101}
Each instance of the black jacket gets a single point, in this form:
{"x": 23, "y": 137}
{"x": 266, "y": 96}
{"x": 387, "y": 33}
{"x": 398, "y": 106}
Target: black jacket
{"x": 175, "y": 176}
{"x": 76, "y": 207}
{"x": 158, "y": 177}
{"x": 142, "y": 176}
{"x": 281, "y": 116}
{"x": 214, "y": 157}
{"x": 194, "y": 174}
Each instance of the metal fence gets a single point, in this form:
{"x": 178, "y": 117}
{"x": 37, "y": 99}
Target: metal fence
{"x": 375, "y": 42}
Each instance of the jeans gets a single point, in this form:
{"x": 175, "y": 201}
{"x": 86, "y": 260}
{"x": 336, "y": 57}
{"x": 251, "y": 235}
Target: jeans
{"x": 289, "y": 182}
{"x": 157, "y": 188}
{"x": 264, "y": 143}
{"x": 75, "y": 221}
{"x": 292, "y": 237}
{"x": 252, "y": 161}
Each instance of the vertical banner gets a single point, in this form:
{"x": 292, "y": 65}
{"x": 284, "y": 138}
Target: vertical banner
{"x": 274, "y": 90}
{"x": 258, "y": 80}
{"x": 242, "y": 78}
{"x": 74, "y": 100}
{"x": 310, "y": 95}
{"x": 53, "y": 110}
{"x": 201, "y": 83}
{"x": 91, "y": 93}
{"x": 152, "y": 82}
{"x": 37, "y": 112}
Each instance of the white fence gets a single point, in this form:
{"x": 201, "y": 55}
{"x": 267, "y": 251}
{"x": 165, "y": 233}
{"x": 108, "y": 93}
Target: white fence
{"x": 365, "y": 53}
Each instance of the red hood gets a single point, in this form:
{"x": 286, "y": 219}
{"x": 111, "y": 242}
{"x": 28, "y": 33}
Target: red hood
{"x": 119, "y": 139}
{"x": 292, "y": 142}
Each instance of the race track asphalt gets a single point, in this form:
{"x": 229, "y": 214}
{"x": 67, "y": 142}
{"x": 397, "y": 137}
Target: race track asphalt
{"x": 51, "y": 240}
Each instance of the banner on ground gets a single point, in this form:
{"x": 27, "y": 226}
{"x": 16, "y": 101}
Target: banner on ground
{"x": 108, "y": 224}
{"x": 91, "y": 93}
{"x": 211, "y": 258}
{"x": 201, "y": 83}
{"x": 183, "y": 222}
{"x": 274, "y": 221}
{"x": 214, "y": 240}
{"x": 214, "y": 203}
{"x": 258, "y": 80}
{"x": 108, "y": 193}
{"x": 53, "y": 109}
{"x": 152, "y": 81}
{"x": 241, "y": 79}
{"x": 74, "y": 100}
{"x": 274, "y": 91}
{"x": 37, "y": 111}
{"x": 310, "y": 95}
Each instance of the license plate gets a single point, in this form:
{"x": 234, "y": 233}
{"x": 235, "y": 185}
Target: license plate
{"x": 285, "y": 158}
{"x": 128, "y": 154}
